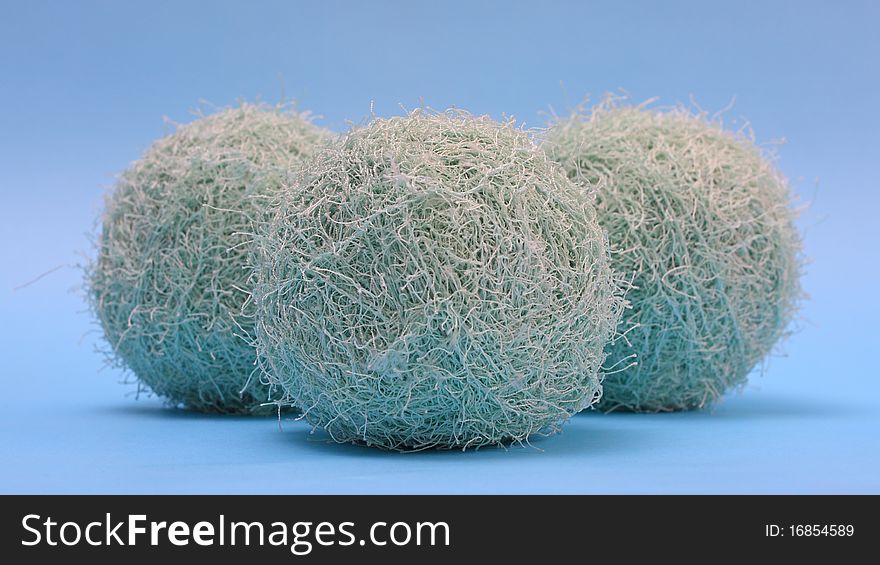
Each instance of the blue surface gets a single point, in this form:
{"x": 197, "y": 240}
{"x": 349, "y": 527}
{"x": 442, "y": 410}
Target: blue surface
{"x": 84, "y": 86}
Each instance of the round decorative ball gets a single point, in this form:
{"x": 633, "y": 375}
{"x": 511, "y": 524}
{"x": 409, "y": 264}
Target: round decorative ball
{"x": 434, "y": 281}
{"x": 703, "y": 222}
{"x": 168, "y": 285}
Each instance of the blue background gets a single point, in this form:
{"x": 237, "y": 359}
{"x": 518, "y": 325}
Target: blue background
{"x": 83, "y": 90}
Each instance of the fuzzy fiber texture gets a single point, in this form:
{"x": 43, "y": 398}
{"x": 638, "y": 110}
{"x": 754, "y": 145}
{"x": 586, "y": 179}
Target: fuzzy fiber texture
{"x": 704, "y": 223}
{"x": 434, "y": 281}
{"x": 168, "y": 283}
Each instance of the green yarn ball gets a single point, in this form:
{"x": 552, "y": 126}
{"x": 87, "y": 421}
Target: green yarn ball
{"x": 169, "y": 281}
{"x": 703, "y": 221}
{"x": 434, "y": 281}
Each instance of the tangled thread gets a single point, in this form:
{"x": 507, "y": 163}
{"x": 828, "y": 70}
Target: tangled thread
{"x": 434, "y": 281}
{"x": 704, "y": 222}
{"x": 167, "y": 283}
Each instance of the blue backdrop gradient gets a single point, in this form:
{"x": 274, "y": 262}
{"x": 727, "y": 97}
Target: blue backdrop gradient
{"x": 84, "y": 88}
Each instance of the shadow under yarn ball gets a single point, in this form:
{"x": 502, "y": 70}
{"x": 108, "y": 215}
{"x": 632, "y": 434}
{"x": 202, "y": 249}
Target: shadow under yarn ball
{"x": 434, "y": 281}
{"x": 168, "y": 283}
{"x": 703, "y": 221}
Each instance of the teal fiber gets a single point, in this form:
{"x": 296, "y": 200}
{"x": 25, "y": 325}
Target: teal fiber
{"x": 168, "y": 283}
{"x": 434, "y": 281}
{"x": 703, "y": 221}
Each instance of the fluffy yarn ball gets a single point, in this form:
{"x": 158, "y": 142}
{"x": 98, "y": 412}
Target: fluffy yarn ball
{"x": 434, "y": 281}
{"x": 169, "y": 280}
{"x": 704, "y": 222}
